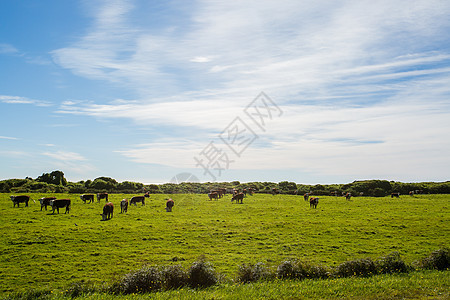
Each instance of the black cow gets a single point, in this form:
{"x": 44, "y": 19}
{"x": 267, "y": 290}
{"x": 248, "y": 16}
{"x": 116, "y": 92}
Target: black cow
{"x": 169, "y": 205}
{"x": 397, "y": 195}
{"x": 238, "y": 197}
{"x": 45, "y": 201}
{"x": 108, "y": 211}
{"x": 124, "y": 205}
{"x": 313, "y": 202}
{"x": 87, "y": 197}
{"x": 60, "y": 203}
{"x": 134, "y": 200}
{"x": 20, "y": 199}
{"x": 101, "y": 196}
{"x": 348, "y": 196}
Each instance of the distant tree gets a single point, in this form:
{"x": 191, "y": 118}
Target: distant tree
{"x": 55, "y": 177}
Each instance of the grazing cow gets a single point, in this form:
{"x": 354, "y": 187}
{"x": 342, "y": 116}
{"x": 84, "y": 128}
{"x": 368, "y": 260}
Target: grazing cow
{"x": 348, "y": 196}
{"x": 213, "y": 195}
{"x": 397, "y": 195}
{"x": 87, "y": 197}
{"x": 275, "y": 191}
{"x": 60, "y": 203}
{"x": 101, "y": 196}
{"x": 411, "y": 193}
{"x": 238, "y": 197}
{"x": 313, "y": 202}
{"x": 147, "y": 195}
{"x": 169, "y": 205}
{"x": 124, "y": 205}
{"x": 108, "y": 210}
{"x": 45, "y": 201}
{"x": 134, "y": 200}
{"x": 306, "y": 196}
{"x": 20, "y": 199}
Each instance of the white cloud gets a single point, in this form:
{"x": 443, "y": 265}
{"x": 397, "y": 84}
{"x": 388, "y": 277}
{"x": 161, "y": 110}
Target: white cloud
{"x": 64, "y": 156}
{"x": 22, "y": 100}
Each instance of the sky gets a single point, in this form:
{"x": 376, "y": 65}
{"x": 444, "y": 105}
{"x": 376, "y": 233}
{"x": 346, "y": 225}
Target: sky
{"x": 165, "y": 91}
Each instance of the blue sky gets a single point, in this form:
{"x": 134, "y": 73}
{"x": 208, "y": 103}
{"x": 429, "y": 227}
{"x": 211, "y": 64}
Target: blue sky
{"x": 146, "y": 90}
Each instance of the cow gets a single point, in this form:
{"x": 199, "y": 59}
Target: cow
{"x": 213, "y": 195}
{"x": 87, "y": 197}
{"x": 20, "y": 199}
{"x": 124, "y": 205}
{"x": 134, "y": 200}
{"x": 108, "y": 210}
{"x": 275, "y": 191}
{"x": 306, "y": 196}
{"x": 60, "y": 203}
{"x": 411, "y": 193}
{"x": 348, "y": 196}
{"x": 238, "y": 197}
{"x": 45, "y": 201}
{"x": 313, "y": 202}
{"x": 397, "y": 195}
{"x": 169, "y": 205}
{"x": 147, "y": 195}
{"x": 101, "y": 196}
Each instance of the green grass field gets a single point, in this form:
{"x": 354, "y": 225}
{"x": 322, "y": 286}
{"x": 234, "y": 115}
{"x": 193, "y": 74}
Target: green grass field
{"x": 42, "y": 250}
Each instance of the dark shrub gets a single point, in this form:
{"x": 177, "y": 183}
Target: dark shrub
{"x": 145, "y": 280}
{"x": 301, "y": 270}
{"x": 252, "y": 273}
{"x": 174, "y": 277}
{"x": 439, "y": 260}
{"x": 360, "y": 267}
{"x": 391, "y": 263}
{"x": 79, "y": 288}
{"x": 202, "y": 274}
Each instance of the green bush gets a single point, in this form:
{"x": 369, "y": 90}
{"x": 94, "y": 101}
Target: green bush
{"x": 439, "y": 260}
{"x": 145, "y": 280}
{"x": 301, "y": 270}
{"x": 202, "y": 274}
{"x": 174, "y": 277}
{"x": 361, "y": 267}
{"x": 79, "y": 288}
{"x": 391, "y": 263}
{"x": 252, "y": 273}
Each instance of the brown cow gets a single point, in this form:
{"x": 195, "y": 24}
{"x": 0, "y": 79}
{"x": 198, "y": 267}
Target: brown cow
{"x": 45, "y": 201}
{"x": 20, "y": 199}
{"x": 313, "y": 202}
{"x": 213, "y": 195}
{"x": 124, "y": 205}
{"x": 87, "y": 197}
{"x": 238, "y": 197}
{"x": 169, "y": 204}
{"x": 101, "y": 196}
{"x": 306, "y": 196}
{"x": 60, "y": 203}
{"x": 397, "y": 195}
{"x": 134, "y": 200}
{"x": 108, "y": 210}
{"x": 348, "y": 196}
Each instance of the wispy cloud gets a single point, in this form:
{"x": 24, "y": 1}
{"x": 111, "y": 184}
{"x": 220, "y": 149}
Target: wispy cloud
{"x": 65, "y": 156}
{"x": 8, "y": 138}
{"x": 23, "y": 100}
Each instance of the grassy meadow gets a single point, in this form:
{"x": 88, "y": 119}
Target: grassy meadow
{"x": 44, "y": 250}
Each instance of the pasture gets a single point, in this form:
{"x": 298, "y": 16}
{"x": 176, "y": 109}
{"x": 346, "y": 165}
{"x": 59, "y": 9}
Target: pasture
{"x": 44, "y": 250}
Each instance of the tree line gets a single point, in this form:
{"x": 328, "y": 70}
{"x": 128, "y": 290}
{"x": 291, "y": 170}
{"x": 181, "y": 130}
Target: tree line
{"x": 55, "y": 182}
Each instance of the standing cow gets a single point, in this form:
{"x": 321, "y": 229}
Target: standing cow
{"x": 108, "y": 211}
{"x": 101, "y": 196}
{"x": 45, "y": 201}
{"x": 169, "y": 205}
{"x": 306, "y": 196}
{"x": 313, "y": 202}
{"x": 87, "y": 197}
{"x": 124, "y": 206}
{"x": 397, "y": 195}
{"x": 238, "y": 197}
{"x": 134, "y": 200}
{"x": 60, "y": 203}
{"x": 20, "y": 199}
{"x": 213, "y": 195}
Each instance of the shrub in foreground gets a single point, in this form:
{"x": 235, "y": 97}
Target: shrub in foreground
{"x": 252, "y": 273}
{"x": 146, "y": 280}
{"x": 174, "y": 277}
{"x": 361, "y": 267}
{"x": 439, "y": 260}
{"x": 301, "y": 270}
{"x": 202, "y": 274}
{"x": 391, "y": 263}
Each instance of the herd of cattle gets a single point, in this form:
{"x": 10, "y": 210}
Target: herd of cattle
{"x": 216, "y": 194}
